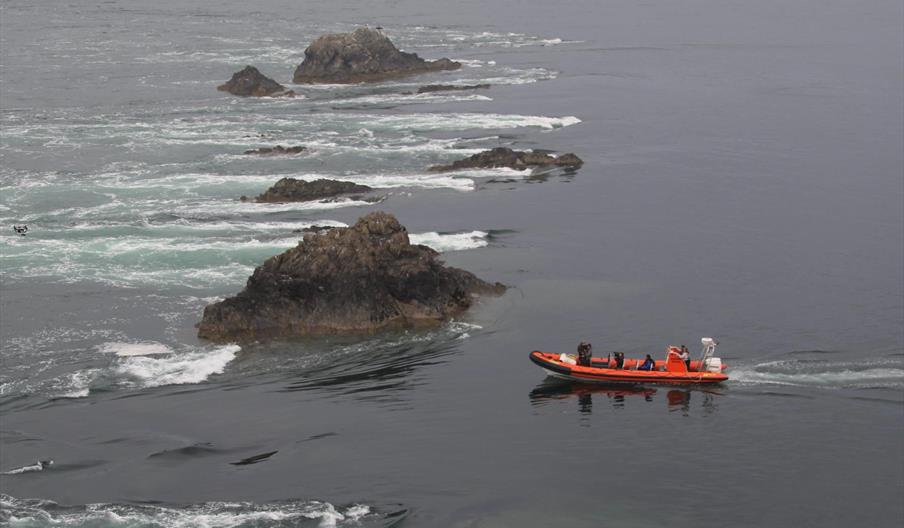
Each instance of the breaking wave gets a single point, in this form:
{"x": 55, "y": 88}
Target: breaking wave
{"x": 134, "y": 366}
{"x": 143, "y": 254}
{"x": 451, "y": 241}
{"x": 28, "y": 513}
{"x": 175, "y": 369}
{"x": 466, "y": 121}
{"x": 246, "y": 128}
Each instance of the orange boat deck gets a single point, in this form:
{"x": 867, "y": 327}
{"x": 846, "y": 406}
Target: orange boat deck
{"x": 672, "y": 370}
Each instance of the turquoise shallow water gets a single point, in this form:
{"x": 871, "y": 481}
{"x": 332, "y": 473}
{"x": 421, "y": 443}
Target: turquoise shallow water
{"x": 742, "y": 179}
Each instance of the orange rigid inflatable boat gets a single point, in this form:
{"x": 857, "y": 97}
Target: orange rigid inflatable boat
{"x": 706, "y": 370}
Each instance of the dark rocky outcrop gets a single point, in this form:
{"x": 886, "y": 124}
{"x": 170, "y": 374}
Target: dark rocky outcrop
{"x": 277, "y": 150}
{"x": 430, "y": 88}
{"x": 292, "y": 190}
{"x": 361, "y": 56}
{"x": 513, "y": 159}
{"x": 358, "y": 279}
{"x": 314, "y": 229}
{"x": 250, "y": 82}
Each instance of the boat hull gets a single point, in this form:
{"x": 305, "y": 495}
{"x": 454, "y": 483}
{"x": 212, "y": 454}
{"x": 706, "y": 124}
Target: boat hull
{"x": 555, "y": 367}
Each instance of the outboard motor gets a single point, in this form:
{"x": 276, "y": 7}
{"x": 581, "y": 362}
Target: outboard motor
{"x": 710, "y": 363}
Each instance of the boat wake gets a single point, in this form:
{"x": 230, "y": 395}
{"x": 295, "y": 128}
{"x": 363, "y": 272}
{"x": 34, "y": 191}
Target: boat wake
{"x": 871, "y": 374}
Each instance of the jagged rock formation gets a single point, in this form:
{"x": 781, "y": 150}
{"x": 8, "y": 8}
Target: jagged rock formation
{"x": 292, "y": 190}
{"x": 450, "y": 88}
{"x": 250, "y": 82}
{"x": 513, "y": 159}
{"x": 361, "y": 56}
{"x": 278, "y": 149}
{"x": 314, "y": 229}
{"x": 363, "y": 278}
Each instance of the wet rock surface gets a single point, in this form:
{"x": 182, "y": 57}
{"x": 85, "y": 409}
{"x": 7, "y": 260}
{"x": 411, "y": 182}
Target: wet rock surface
{"x": 293, "y": 190}
{"x": 430, "y": 88}
{"x": 358, "y": 279}
{"x": 513, "y": 159}
{"x": 275, "y": 151}
{"x": 250, "y": 82}
{"x": 361, "y": 56}
{"x": 314, "y": 229}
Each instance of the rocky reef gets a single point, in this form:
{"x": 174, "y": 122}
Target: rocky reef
{"x": 277, "y": 150}
{"x": 292, "y": 190}
{"x": 358, "y": 279}
{"x": 361, "y": 56}
{"x": 430, "y": 88}
{"x": 513, "y": 159}
{"x": 250, "y": 82}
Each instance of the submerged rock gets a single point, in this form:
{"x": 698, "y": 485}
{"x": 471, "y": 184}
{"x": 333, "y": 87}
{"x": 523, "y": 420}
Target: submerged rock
{"x": 278, "y": 149}
{"x": 292, "y": 190}
{"x": 363, "y": 55}
{"x": 450, "y": 88}
{"x": 250, "y": 82}
{"x": 513, "y": 159}
{"x": 358, "y": 279}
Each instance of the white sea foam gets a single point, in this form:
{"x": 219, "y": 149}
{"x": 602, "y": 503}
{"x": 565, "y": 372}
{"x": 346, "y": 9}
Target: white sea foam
{"x": 141, "y": 365}
{"x": 376, "y": 180}
{"x": 443, "y": 242}
{"x": 232, "y": 131}
{"x": 166, "y": 256}
{"x": 356, "y": 511}
{"x": 176, "y": 369}
{"x": 240, "y": 226}
{"x": 149, "y": 250}
{"x": 866, "y": 374}
{"x": 206, "y": 209}
{"x": 230, "y": 56}
{"x": 498, "y": 172}
{"x": 225, "y": 275}
{"x": 393, "y": 180}
{"x": 467, "y": 121}
{"x": 117, "y": 246}
{"x": 396, "y": 99}
{"x": 135, "y": 349}
{"x": 209, "y": 514}
{"x": 31, "y": 468}
{"x": 75, "y": 384}
{"x": 463, "y": 329}
{"x": 474, "y": 63}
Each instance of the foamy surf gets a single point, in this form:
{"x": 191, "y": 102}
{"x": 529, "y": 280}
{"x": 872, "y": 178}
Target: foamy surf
{"x": 177, "y": 369}
{"x": 278, "y": 514}
{"x": 466, "y": 121}
{"x": 377, "y": 180}
{"x": 237, "y": 207}
{"x": 230, "y": 131}
{"x": 172, "y": 254}
{"x": 40, "y": 465}
{"x": 444, "y": 242}
{"x": 403, "y": 99}
{"x": 140, "y": 366}
{"x": 135, "y": 349}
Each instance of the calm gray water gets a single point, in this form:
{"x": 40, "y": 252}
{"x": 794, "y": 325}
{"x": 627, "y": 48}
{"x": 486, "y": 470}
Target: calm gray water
{"x": 742, "y": 179}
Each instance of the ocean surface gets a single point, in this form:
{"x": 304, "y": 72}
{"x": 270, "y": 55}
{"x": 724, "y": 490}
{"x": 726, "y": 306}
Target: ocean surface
{"x": 743, "y": 179}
